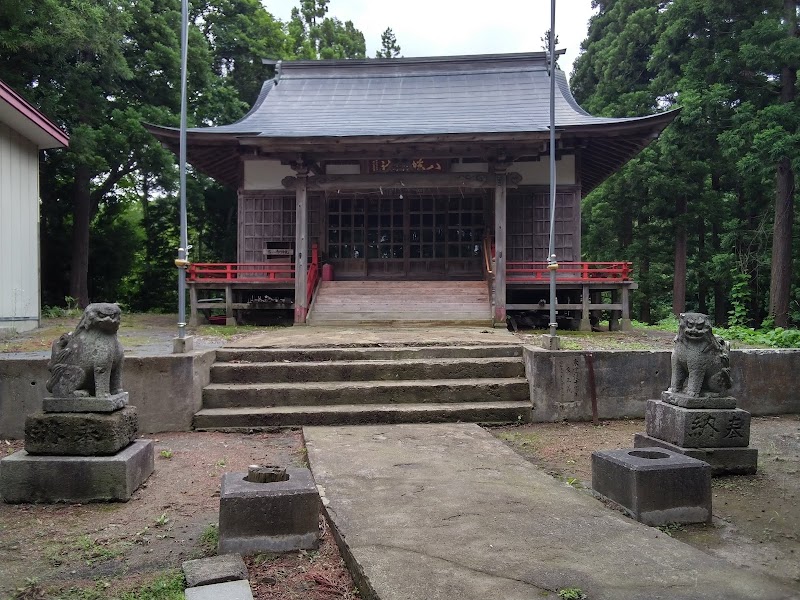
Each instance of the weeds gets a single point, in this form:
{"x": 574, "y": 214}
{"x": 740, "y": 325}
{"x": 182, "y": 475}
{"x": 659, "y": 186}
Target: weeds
{"x": 165, "y": 454}
{"x": 571, "y": 593}
{"x": 670, "y": 528}
{"x": 209, "y": 540}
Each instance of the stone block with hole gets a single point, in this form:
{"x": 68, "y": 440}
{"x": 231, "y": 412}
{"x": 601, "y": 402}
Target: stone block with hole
{"x": 271, "y": 516}
{"x": 654, "y": 485}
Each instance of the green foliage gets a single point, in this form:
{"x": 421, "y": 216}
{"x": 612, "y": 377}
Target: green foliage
{"x": 103, "y": 69}
{"x": 723, "y": 64}
{"x": 772, "y": 338}
{"x": 571, "y": 593}
{"x": 389, "y": 46}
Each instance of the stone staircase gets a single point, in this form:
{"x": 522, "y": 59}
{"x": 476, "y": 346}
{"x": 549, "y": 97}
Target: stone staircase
{"x": 344, "y": 303}
{"x": 261, "y": 388}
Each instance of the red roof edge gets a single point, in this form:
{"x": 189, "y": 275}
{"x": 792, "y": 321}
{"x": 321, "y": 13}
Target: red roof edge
{"x": 28, "y": 111}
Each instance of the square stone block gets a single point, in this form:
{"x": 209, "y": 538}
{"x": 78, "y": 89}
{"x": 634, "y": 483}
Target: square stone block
{"x": 698, "y": 427}
{"x": 654, "y": 485}
{"x": 28, "y": 478}
{"x": 215, "y": 569}
{"x": 232, "y": 590}
{"x": 268, "y": 517}
{"x": 80, "y": 434}
{"x": 723, "y": 461}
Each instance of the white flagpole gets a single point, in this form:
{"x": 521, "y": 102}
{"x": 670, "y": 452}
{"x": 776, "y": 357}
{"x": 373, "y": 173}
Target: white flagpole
{"x": 552, "y": 264}
{"x": 183, "y": 250}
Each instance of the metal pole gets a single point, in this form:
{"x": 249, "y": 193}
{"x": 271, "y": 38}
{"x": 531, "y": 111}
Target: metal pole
{"x": 552, "y": 264}
{"x": 183, "y": 250}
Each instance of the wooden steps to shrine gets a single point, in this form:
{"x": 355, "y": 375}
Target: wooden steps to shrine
{"x": 263, "y": 388}
{"x": 401, "y": 302}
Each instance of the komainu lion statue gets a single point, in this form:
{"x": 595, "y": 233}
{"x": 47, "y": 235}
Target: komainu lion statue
{"x": 700, "y": 363}
{"x": 88, "y": 361}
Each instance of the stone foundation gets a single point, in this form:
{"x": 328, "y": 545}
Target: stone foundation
{"x": 76, "y": 479}
{"x": 80, "y": 434}
{"x": 723, "y": 461}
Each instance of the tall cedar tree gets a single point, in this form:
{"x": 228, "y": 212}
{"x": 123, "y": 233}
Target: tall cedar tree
{"x": 389, "y": 46}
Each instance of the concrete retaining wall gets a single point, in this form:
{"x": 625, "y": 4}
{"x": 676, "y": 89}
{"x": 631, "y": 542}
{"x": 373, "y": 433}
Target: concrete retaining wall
{"x": 167, "y": 390}
{"x": 764, "y": 382}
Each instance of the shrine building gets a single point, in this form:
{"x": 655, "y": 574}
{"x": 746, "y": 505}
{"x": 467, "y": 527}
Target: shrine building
{"x": 412, "y": 190}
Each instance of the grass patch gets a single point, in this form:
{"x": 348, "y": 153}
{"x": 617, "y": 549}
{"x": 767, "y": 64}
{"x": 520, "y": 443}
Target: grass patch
{"x": 169, "y": 585}
{"x": 209, "y": 540}
{"x": 521, "y": 439}
{"x": 228, "y": 331}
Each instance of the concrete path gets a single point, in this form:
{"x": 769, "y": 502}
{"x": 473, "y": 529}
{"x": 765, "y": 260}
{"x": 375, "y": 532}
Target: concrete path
{"x": 443, "y": 512}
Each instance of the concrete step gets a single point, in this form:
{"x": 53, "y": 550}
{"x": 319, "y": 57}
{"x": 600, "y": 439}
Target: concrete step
{"x": 364, "y": 353}
{"x": 356, "y": 414}
{"x": 225, "y": 395}
{"x": 373, "y": 370}
{"x": 396, "y": 321}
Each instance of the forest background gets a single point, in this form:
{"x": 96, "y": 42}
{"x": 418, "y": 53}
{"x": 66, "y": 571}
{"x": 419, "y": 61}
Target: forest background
{"x": 705, "y": 213}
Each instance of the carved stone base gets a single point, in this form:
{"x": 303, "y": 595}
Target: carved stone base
{"x": 28, "y": 478}
{"x": 685, "y": 401}
{"x": 723, "y": 461}
{"x": 698, "y": 427}
{"x": 80, "y": 434}
{"x": 85, "y": 405}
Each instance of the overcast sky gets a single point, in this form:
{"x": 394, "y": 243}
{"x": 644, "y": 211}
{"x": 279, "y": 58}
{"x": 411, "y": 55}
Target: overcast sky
{"x": 452, "y": 27}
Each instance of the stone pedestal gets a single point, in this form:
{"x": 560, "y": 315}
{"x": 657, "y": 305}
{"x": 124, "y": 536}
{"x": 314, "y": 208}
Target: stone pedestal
{"x": 80, "y": 433}
{"x": 28, "y": 478}
{"x": 655, "y": 486}
{"x": 707, "y": 428}
{"x": 723, "y": 461}
{"x": 268, "y": 517}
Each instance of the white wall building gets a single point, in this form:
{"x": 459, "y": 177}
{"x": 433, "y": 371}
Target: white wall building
{"x": 24, "y": 131}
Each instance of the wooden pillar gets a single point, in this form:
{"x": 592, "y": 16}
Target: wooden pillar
{"x": 625, "y": 325}
{"x": 301, "y": 248}
{"x": 192, "y": 306}
{"x": 613, "y": 319}
{"x": 229, "y": 318}
{"x": 499, "y": 317}
{"x": 586, "y": 324}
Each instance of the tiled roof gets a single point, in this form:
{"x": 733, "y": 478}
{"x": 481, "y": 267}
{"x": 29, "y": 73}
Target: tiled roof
{"x": 411, "y": 96}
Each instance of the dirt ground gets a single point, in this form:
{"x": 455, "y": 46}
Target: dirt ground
{"x": 756, "y": 519}
{"x": 118, "y": 546}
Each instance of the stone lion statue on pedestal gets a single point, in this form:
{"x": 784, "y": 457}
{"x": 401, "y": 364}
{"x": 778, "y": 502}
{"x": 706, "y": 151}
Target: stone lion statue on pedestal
{"x": 700, "y": 361}
{"x": 88, "y": 361}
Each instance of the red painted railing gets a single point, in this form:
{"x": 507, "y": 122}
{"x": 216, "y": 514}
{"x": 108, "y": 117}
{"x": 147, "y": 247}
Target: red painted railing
{"x": 272, "y": 272}
{"x": 232, "y": 272}
{"x": 573, "y": 272}
{"x": 313, "y": 275}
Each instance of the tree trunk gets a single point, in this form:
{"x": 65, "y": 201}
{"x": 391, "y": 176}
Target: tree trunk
{"x": 720, "y": 298}
{"x": 781, "y": 271}
{"x": 679, "y": 281}
{"x": 702, "y": 280}
{"x": 79, "y": 270}
{"x": 644, "y": 307}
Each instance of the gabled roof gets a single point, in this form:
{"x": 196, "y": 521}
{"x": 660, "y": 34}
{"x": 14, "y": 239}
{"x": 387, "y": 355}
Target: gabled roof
{"x": 496, "y": 104}
{"x": 22, "y": 117}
